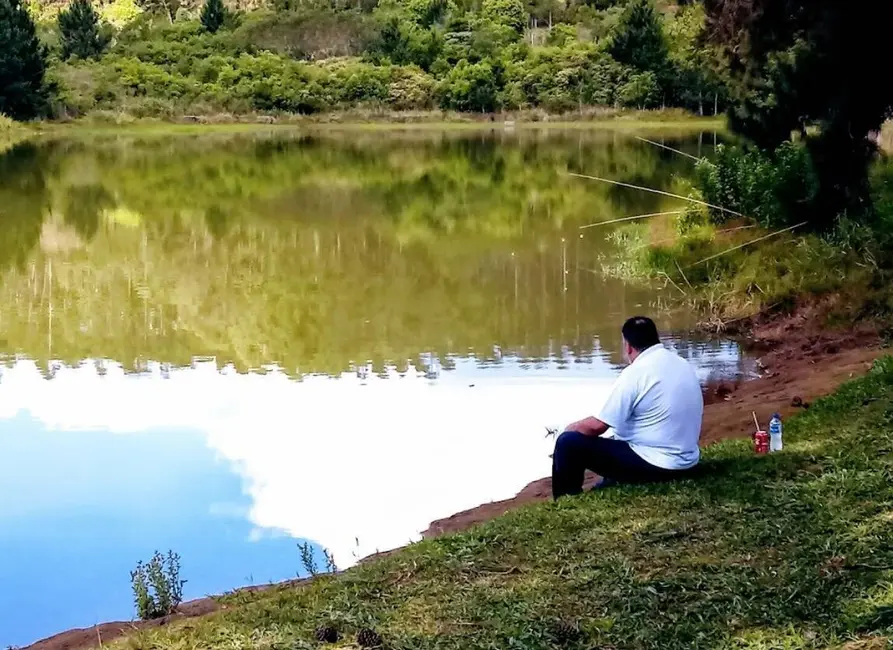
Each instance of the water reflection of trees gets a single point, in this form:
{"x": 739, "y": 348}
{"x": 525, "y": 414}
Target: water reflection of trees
{"x": 315, "y": 253}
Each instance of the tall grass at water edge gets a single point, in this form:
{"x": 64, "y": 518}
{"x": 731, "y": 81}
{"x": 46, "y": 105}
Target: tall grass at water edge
{"x": 731, "y": 266}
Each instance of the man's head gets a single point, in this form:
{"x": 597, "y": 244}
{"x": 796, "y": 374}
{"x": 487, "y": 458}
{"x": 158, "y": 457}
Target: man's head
{"x": 639, "y": 334}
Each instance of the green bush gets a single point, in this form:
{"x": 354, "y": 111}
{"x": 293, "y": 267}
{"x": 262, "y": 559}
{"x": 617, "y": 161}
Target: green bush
{"x": 157, "y": 587}
{"x": 427, "y": 13}
{"x": 510, "y": 13}
{"x": 404, "y": 42}
{"x": 410, "y": 89}
{"x": 359, "y": 83}
{"x": 561, "y": 35}
{"x": 776, "y": 190}
{"x": 640, "y": 91}
{"x": 563, "y": 78}
{"x": 469, "y": 87}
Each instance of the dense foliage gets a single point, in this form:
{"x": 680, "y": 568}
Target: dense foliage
{"x": 309, "y": 57}
{"x": 777, "y": 189}
{"x": 23, "y": 93}
{"x": 79, "y": 31}
{"x": 796, "y": 66}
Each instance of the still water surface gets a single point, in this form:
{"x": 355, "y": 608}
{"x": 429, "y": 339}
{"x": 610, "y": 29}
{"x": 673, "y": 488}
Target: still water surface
{"x": 224, "y": 345}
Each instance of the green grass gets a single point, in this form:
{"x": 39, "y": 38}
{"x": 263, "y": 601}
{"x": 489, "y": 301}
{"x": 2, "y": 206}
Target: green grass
{"x": 720, "y": 273}
{"x": 793, "y": 550}
{"x": 674, "y": 122}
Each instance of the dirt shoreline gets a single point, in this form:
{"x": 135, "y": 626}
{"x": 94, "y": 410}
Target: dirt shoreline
{"x": 801, "y": 360}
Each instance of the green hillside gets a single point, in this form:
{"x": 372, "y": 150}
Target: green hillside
{"x": 157, "y": 58}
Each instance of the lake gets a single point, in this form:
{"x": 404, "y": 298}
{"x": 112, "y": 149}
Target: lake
{"x": 227, "y": 344}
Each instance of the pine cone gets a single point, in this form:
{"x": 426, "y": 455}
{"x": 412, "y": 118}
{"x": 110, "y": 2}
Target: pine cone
{"x": 367, "y": 638}
{"x": 327, "y": 634}
{"x": 565, "y": 634}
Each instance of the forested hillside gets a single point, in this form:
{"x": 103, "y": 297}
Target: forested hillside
{"x": 166, "y": 58}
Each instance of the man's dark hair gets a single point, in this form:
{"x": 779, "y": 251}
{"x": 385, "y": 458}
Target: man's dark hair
{"x": 640, "y": 332}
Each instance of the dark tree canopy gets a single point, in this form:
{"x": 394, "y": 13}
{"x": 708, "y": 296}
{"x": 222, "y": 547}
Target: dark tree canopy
{"x": 79, "y": 31}
{"x": 639, "y": 39}
{"x": 23, "y": 93}
{"x": 213, "y": 15}
{"x": 796, "y": 64}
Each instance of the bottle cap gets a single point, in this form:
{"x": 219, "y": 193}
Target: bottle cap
{"x": 777, "y": 416}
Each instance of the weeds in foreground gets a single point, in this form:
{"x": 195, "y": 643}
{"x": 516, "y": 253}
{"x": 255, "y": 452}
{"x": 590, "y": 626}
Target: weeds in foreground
{"x": 788, "y": 551}
{"x": 308, "y": 560}
{"x": 331, "y": 567}
{"x": 157, "y": 587}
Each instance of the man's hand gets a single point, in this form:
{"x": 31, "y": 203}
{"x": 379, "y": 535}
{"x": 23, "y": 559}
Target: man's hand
{"x": 589, "y": 427}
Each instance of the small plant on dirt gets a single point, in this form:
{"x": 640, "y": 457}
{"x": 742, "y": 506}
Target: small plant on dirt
{"x": 308, "y": 560}
{"x": 157, "y": 588}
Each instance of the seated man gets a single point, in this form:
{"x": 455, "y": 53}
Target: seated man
{"x": 654, "y": 413}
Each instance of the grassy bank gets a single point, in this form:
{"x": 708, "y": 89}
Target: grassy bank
{"x": 760, "y": 249}
{"x": 706, "y": 269}
{"x": 663, "y": 121}
{"x": 787, "y": 551}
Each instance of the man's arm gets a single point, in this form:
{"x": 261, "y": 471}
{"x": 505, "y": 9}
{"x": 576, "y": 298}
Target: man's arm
{"x": 616, "y": 409}
{"x": 591, "y": 426}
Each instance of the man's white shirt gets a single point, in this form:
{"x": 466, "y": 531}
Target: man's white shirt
{"x": 657, "y": 406}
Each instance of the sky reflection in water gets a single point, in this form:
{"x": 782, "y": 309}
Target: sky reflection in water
{"x": 231, "y": 469}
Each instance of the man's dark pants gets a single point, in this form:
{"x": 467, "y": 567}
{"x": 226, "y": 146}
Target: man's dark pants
{"x": 611, "y": 459}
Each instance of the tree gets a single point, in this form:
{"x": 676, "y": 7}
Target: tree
{"x": 79, "y": 31}
{"x": 470, "y": 87}
{"x": 404, "y": 42}
{"x": 638, "y": 39}
{"x": 510, "y": 13}
{"x": 798, "y": 66}
{"x": 23, "y": 93}
{"x": 213, "y": 15}
{"x": 696, "y": 82}
{"x": 641, "y": 91}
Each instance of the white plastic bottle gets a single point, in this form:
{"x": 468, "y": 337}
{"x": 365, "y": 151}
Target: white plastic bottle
{"x": 776, "y": 429}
